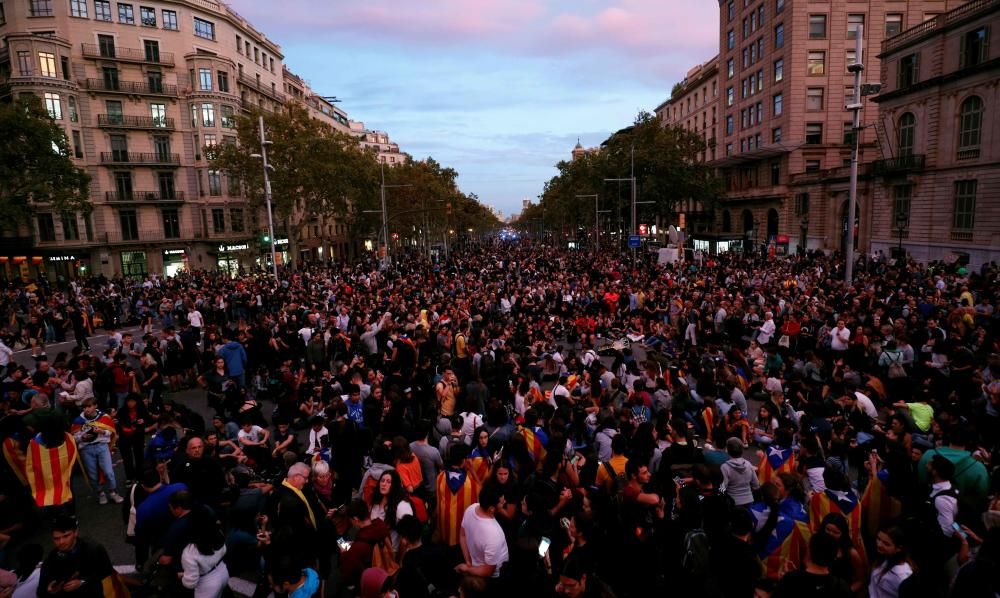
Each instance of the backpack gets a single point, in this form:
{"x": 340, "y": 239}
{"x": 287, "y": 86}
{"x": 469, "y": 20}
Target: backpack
{"x": 618, "y": 483}
{"x": 696, "y": 562}
{"x": 173, "y": 349}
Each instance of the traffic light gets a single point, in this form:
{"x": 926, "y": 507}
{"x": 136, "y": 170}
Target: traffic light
{"x": 266, "y": 238}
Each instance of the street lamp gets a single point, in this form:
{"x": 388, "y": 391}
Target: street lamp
{"x": 804, "y": 225}
{"x": 385, "y": 215}
{"x": 267, "y": 194}
{"x": 901, "y": 225}
{"x": 597, "y": 219}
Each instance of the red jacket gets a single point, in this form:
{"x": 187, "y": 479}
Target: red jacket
{"x": 359, "y": 557}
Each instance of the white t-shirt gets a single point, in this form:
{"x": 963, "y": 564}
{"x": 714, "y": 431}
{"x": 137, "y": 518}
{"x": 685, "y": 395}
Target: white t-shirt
{"x": 485, "y": 539}
{"x": 840, "y": 338}
{"x": 195, "y": 319}
{"x": 255, "y": 434}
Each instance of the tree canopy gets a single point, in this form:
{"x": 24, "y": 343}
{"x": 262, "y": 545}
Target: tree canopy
{"x": 35, "y": 166}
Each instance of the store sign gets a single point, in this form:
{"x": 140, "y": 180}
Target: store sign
{"x": 643, "y": 229}
{"x": 62, "y": 258}
{"x": 281, "y": 241}
{"x": 239, "y": 247}
{"x": 173, "y": 252}
{"x": 781, "y": 239}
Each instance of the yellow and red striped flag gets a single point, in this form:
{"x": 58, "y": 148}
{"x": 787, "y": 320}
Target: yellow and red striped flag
{"x": 877, "y": 506}
{"x": 776, "y": 460}
{"x": 14, "y": 455}
{"x": 456, "y": 491}
{"x": 535, "y": 446}
{"x": 49, "y": 469}
{"x": 838, "y": 501}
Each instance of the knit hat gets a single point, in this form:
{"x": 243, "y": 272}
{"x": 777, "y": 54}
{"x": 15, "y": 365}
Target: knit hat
{"x": 372, "y": 582}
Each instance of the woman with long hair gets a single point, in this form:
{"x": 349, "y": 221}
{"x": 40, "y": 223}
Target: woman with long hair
{"x": 892, "y": 565}
{"x": 848, "y": 565}
{"x": 407, "y": 464}
{"x": 389, "y": 502}
{"x": 202, "y": 560}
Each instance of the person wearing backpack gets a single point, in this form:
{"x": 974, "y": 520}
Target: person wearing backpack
{"x": 611, "y": 474}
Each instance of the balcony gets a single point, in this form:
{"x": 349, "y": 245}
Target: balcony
{"x": 277, "y": 96}
{"x": 131, "y": 87}
{"x": 961, "y": 235}
{"x": 968, "y": 154}
{"x": 899, "y": 165}
{"x": 128, "y": 54}
{"x": 120, "y": 158}
{"x": 139, "y": 236}
{"x": 118, "y": 121}
{"x": 144, "y": 196}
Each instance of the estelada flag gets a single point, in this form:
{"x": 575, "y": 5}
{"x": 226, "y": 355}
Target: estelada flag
{"x": 534, "y": 444}
{"x": 877, "y": 506}
{"x": 838, "y": 501}
{"x": 776, "y": 460}
{"x": 456, "y": 491}
{"x": 14, "y": 455}
{"x": 788, "y": 540}
{"x": 102, "y": 423}
{"x": 49, "y": 469}
{"x": 479, "y": 467}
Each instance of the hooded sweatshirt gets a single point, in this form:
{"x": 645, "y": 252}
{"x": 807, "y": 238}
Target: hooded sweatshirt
{"x": 359, "y": 556}
{"x": 739, "y": 480}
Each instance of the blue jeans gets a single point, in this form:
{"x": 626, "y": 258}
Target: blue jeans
{"x": 98, "y": 456}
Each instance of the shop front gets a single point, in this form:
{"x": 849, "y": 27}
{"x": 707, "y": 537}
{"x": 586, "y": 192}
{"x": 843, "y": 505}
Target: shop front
{"x": 22, "y": 267}
{"x": 134, "y": 264}
{"x": 280, "y": 253}
{"x": 67, "y": 266}
{"x": 175, "y": 261}
{"x": 228, "y": 257}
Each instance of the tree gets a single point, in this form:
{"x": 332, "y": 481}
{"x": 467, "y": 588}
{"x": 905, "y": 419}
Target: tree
{"x": 317, "y": 173}
{"x": 35, "y": 167}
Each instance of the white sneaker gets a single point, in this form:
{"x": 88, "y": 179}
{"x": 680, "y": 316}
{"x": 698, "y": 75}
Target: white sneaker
{"x": 102, "y": 498}
{"x": 115, "y": 497}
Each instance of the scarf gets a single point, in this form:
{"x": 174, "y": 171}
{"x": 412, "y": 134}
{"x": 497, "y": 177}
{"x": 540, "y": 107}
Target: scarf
{"x": 302, "y": 497}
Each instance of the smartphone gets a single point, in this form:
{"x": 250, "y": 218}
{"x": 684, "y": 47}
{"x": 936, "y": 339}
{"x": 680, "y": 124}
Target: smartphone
{"x": 575, "y": 459}
{"x": 543, "y": 546}
{"x": 564, "y": 522}
{"x": 958, "y": 528}
{"x": 343, "y": 544}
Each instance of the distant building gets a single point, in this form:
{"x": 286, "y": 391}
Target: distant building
{"x": 937, "y": 190}
{"x": 579, "y": 151}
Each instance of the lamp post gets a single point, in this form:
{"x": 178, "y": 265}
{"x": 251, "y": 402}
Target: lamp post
{"x": 385, "y": 214}
{"x": 855, "y": 108}
{"x": 267, "y": 194}
{"x": 804, "y": 226}
{"x": 597, "y": 218}
{"x": 901, "y": 226}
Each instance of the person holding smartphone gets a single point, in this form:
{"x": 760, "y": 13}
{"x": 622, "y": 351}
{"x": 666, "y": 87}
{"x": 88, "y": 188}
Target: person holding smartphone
{"x": 76, "y": 567}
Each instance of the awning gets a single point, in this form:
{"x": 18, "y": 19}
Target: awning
{"x": 768, "y": 151}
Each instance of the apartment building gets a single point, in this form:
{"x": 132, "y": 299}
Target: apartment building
{"x": 785, "y": 134}
{"x": 937, "y": 189}
{"x": 387, "y": 150}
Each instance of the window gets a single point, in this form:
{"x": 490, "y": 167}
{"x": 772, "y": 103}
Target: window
{"x": 3, "y": 15}
{"x": 123, "y": 185}
{"x": 814, "y": 133}
{"x": 218, "y": 220}
{"x": 171, "y": 224}
{"x": 730, "y": 68}
{"x": 209, "y": 143}
{"x": 965, "y": 205}
{"x": 776, "y": 135}
{"x": 812, "y": 165}
{"x": 106, "y": 45}
{"x": 974, "y": 47}
{"x": 760, "y": 48}
{"x": 119, "y": 147}
{"x": 207, "y": 115}
{"x": 816, "y": 64}
{"x": 64, "y": 61}
{"x": 848, "y": 133}
{"x": 729, "y": 149}
{"x": 239, "y": 44}
{"x": 776, "y": 110}
{"x": 817, "y": 26}
{"x": 743, "y": 92}
{"x": 169, "y": 19}
{"x": 155, "y": 81}
{"x": 730, "y": 40}
{"x": 165, "y": 180}
{"x": 161, "y": 146}
{"x": 801, "y": 204}
{"x": 147, "y": 16}
{"x": 746, "y": 57}
{"x": 205, "y": 79}
{"x": 730, "y": 96}
{"x": 743, "y": 119}
{"x": 760, "y": 112}
{"x": 71, "y": 228}
{"x": 214, "y": 183}
{"x": 731, "y": 10}
{"x": 223, "y": 77}
{"x": 906, "y": 131}
{"x": 729, "y": 124}
{"x": 205, "y": 29}
{"x": 853, "y": 22}
{"x": 46, "y": 228}
{"x": 236, "y": 219}
{"x": 779, "y": 6}
{"x": 47, "y": 62}
{"x": 247, "y": 49}
{"x": 908, "y": 70}
{"x": 779, "y": 36}
{"x": 134, "y": 262}
{"x": 159, "y": 114}
{"x": 130, "y": 226}
{"x": 270, "y": 62}
{"x": 152, "y": 50}
{"x": 851, "y": 57}
{"x": 114, "y": 109}
{"x": 902, "y": 198}
{"x": 256, "y": 55}
{"x": 74, "y": 116}
{"x": 228, "y": 120}
{"x": 970, "y": 126}
{"x": 125, "y": 14}
{"x": 102, "y": 10}
{"x": 893, "y": 24}
{"x": 78, "y": 8}
{"x": 24, "y": 63}
{"x": 77, "y": 144}
{"x": 194, "y": 117}
{"x": 53, "y": 105}
{"x": 760, "y": 79}
{"x": 814, "y": 98}
{"x": 41, "y": 8}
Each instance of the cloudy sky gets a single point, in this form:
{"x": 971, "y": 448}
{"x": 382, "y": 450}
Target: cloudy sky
{"x": 497, "y": 89}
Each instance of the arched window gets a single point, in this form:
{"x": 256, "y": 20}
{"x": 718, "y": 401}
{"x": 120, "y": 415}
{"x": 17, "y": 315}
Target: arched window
{"x": 727, "y": 222}
{"x": 772, "y": 223}
{"x": 907, "y": 131}
{"x": 970, "y": 124}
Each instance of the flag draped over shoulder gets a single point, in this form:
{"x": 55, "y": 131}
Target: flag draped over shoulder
{"x": 877, "y": 506}
{"x": 456, "y": 491}
{"x": 776, "y": 460}
{"x": 838, "y": 501}
{"x": 479, "y": 467}
{"x": 534, "y": 443}
{"x": 789, "y": 538}
{"x": 49, "y": 469}
{"x": 103, "y": 423}
{"x": 14, "y": 454}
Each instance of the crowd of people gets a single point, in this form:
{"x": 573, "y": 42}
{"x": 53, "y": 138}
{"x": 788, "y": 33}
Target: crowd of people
{"x": 516, "y": 420}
